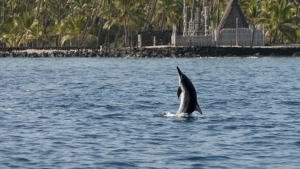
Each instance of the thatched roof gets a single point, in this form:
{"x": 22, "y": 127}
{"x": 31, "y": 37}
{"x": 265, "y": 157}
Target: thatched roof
{"x": 232, "y": 12}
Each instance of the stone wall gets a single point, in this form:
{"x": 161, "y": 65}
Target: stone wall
{"x": 173, "y": 52}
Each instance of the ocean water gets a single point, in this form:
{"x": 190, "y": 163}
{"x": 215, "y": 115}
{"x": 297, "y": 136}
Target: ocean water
{"x": 120, "y": 113}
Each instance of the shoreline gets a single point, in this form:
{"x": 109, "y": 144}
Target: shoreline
{"x": 151, "y": 52}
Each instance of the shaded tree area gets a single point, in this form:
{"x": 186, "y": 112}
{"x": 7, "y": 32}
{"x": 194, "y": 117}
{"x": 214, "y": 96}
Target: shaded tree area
{"x": 116, "y": 23}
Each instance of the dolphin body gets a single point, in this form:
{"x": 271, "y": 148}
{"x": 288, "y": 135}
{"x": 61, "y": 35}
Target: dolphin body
{"x": 186, "y": 89}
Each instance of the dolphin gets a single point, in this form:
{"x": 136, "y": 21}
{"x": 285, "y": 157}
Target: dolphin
{"x": 186, "y": 89}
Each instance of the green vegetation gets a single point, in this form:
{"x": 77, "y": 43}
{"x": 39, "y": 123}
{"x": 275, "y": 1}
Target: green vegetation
{"x": 39, "y": 23}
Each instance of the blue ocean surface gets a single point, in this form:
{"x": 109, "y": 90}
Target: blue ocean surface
{"x": 120, "y": 113}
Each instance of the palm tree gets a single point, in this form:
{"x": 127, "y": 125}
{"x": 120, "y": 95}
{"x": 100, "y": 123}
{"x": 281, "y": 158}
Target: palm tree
{"x": 276, "y": 15}
{"x": 297, "y": 6}
{"x": 3, "y": 11}
{"x": 56, "y": 11}
{"x": 91, "y": 21}
{"x": 150, "y": 12}
{"x": 100, "y": 22}
{"x": 29, "y": 25}
{"x": 252, "y": 12}
{"x": 17, "y": 29}
{"x": 36, "y": 34}
{"x": 56, "y": 30}
{"x": 106, "y": 17}
{"x": 11, "y": 31}
{"x": 44, "y": 15}
{"x": 216, "y": 10}
{"x": 126, "y": 13}
{"x": 38, "y": 9}
{"x": 74, "y": 27}
{"x": 82, "y": 7}
{"x": 58, "y": 23}
{"x": 167, "y": 13}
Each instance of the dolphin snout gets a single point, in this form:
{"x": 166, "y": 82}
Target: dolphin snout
{"x": 179, "y": 72}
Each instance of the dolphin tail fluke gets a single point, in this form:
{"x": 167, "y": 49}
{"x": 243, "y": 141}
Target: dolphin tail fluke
{"x": 197, "y": 108}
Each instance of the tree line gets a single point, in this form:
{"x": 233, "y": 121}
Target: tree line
{"x": 116, "y": 23}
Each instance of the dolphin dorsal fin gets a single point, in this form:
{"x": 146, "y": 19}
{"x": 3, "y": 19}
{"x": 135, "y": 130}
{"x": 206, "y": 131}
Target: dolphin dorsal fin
{"x": 197, "y": 108}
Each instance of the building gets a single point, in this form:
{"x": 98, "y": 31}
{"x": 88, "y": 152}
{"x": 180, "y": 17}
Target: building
{"x": 195, "y": 32}
{"x": 233, "y": 29}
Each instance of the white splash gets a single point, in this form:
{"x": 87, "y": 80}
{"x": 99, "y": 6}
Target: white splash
{"x": 169, "y": 114}
{"x": 183, "y": 115}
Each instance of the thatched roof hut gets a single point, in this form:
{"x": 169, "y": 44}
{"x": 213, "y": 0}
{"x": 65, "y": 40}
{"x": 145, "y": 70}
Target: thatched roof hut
{"x": 232, "y": 11}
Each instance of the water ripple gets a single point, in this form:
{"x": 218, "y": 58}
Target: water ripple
{"x": 121, "y": 113}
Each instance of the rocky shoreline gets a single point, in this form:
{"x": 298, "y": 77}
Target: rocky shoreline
{"x": 150, "y": 52}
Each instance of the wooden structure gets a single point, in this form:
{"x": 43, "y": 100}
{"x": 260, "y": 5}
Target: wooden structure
{"x": 233, "y": 29}
{"x": 195, "y": 33}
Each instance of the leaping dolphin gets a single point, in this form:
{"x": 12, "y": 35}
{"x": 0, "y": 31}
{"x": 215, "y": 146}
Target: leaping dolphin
{"x": 186, "y": 89}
